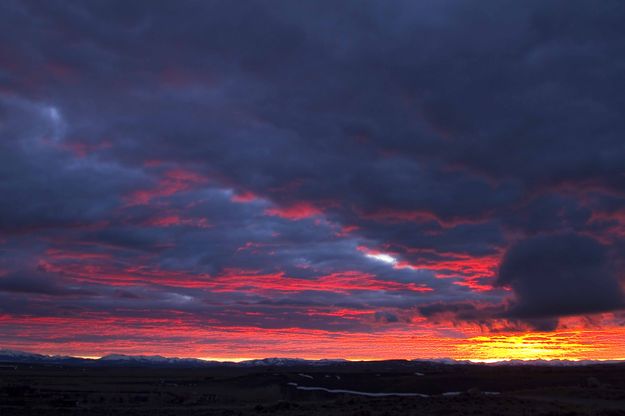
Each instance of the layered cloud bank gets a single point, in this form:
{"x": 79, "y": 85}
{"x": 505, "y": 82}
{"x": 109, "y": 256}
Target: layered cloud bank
{"x": 353, "y": 179}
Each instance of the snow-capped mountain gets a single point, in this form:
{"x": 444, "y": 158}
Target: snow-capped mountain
{"x": 29, "y": 357}
{"x": 111, "y": 360}
{"x": 154, "y": 360}
{"x": 19, "y": 354}
{"x": 157, "y": 360}
{"x": 284, "y": 362}
{"x": 12, "y": 353}
{"x": 12, "y": 356}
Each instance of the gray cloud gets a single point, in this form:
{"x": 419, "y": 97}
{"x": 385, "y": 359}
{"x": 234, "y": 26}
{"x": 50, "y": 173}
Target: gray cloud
{"x": 559, "y": 275}
{"x": 436, "y": 132}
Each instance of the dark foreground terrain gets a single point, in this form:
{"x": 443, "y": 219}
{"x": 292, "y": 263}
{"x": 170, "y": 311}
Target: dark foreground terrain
{"x": 46, "y": 389}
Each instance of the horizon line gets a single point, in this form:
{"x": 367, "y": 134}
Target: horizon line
{"x": 356, "y": 359}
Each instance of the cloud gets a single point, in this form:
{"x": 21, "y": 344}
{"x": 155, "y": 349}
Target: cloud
{"x": 158, "y": 147}
{"x": 556, "y": 275}
{"x": 386, "y": 317}
{"x": 493, "y": 318}
{"x": 551, "y": 276}
{"x": 37, "y": 282}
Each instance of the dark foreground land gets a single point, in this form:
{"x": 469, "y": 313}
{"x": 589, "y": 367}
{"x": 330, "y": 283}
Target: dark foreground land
{"x": 37, "y": 389}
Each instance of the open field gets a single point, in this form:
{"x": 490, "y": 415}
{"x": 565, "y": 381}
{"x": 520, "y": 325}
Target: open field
{"x": 29, "y": 389}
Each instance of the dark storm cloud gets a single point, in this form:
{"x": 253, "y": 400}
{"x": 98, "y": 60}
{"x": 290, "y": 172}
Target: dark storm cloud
{"x": 160, "y": 143}
{"x": 494, "y": 317}
{"x": 550, "y": 276}
{"x": 559, "y": 275}
{"x": 37, "y": 282}
{"x": 41, "y": 185}
{"x": 29, "y": 291}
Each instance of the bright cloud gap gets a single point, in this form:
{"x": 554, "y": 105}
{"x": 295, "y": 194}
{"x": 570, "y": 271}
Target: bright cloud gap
{"x": 382, "y": 257}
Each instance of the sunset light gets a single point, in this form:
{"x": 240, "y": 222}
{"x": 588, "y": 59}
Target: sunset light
{"x": 385, "y": 258}
{"x": 390, "y": 180}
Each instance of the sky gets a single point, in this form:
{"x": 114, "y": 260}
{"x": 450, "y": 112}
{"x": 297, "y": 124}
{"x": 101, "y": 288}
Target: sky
{"x": 315, "y": 179}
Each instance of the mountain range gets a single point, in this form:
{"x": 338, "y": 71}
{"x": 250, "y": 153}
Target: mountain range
{"x": 12, "y": 356}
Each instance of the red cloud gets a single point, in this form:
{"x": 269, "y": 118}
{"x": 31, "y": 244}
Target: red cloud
{"x": 471, "y": 270}
{"x": 177, "y": 220}
{"x": 244, "y": 197}
{"x": 172, "y": 182}
{"x": 297, "y": 211}
{"x": 419, "y": 216}
{"x": 65, "y": 255}
{"x": 341, "y": 282}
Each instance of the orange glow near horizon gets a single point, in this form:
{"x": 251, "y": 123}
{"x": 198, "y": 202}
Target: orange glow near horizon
{"x": 531, "y": 346}
{"x": 177, "y": 338}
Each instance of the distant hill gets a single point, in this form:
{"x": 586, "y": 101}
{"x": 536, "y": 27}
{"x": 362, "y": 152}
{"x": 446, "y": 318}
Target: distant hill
{"x": 122, "y": 360}
{"x": 11, "y": 356}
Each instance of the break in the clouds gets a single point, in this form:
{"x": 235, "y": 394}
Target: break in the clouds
{"x": 325, "y": 168}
